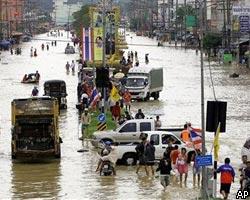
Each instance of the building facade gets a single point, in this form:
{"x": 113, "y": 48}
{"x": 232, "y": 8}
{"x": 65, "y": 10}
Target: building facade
{"x": 11, "y": 13}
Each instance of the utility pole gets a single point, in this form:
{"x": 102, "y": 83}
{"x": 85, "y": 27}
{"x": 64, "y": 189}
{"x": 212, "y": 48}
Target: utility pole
{"x": 224, "y": 41}
{"x": 111, "y": 24}
{"x": 185, "y": 22}
{"x": 1, "y": 20}
{"x": 68, "y": 20}
{"x": 176, "y": 8}
{"x": 104, "y": 33}
{"x": 228, "y": 27}
{"x": 7, "y": 18}
{"x": 169, "y": 13}
{"x": 16, "y": 15}
{"x": 164, "y": 14}
{"x": 104, "y": 47}
{"x": 204, "y": 174}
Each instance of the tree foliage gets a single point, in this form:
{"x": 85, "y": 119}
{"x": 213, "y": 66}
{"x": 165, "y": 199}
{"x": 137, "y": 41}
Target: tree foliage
{"x": 212, "y": 40}
{"x": 189, "y": 11}
{"x": 81, "y": 19}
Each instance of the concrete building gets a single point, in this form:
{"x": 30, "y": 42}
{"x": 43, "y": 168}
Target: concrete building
{"x": 11, "y": 13}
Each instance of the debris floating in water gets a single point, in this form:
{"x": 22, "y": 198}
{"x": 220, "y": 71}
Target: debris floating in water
{"x": 82, "y": 150}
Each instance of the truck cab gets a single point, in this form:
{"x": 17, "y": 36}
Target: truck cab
{"x": 144, "y": 82}
{"x": 35, "y": 132}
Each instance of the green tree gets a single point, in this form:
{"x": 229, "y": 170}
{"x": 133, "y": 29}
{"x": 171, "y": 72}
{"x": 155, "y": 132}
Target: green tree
{"x": 212, "y": 41}
{"x": 81, "y": 19}
{"x": 180, "y": 12}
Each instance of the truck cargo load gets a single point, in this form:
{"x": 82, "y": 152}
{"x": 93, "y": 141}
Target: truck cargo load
{"x": 35, "y": 128}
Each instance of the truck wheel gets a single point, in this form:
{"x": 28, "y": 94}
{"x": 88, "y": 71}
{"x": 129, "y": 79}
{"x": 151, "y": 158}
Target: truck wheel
{"x": 58, "y": 155}
{"x": 156, "y": 95}
{"x": 147, "y": 97}
{"x": 127, "y": 157}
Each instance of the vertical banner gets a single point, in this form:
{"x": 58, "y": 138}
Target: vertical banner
{"x": 87, "y": 50}
{"x": 98, "y": 43}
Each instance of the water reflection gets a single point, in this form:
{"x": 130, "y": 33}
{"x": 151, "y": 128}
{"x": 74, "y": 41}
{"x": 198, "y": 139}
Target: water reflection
{"x": 32, "y": 180}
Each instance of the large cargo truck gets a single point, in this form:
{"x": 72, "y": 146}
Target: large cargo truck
{"x": 144, "y": 82}
{"x": 35, "y": 132}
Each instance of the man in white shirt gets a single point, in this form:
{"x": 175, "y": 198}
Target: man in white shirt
{"x": 84, "y": 100}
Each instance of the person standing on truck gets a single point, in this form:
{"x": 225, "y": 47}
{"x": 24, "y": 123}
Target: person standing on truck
{"x": 139, "y": 114}
{"x": 185, "y": 135}
{"x": 127, "y": 100}
{"x": 157, "y": 122}
{"x": 85, "y": 120}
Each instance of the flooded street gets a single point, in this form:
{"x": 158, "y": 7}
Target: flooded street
{"x": 74, "y": 177}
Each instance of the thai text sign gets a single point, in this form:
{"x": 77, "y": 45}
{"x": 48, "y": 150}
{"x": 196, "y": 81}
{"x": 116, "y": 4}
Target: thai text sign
{"x": 240, "y": 10}
{"x": 204, "y": 160}
{"x": 244, "y": 23}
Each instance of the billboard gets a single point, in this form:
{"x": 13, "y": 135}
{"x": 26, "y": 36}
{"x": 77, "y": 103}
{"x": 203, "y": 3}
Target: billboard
{"x": 98, "y": 43}
{"x": 112, "y": 25}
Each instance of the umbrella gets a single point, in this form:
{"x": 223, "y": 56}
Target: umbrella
{"x": 119, "y": 75}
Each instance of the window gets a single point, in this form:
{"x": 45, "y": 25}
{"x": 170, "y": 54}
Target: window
{"x": 166, "y": 139}
{"x": 145, "y": 126}
{"x": 130, "y": 127}
{"x": 155, "y": 138}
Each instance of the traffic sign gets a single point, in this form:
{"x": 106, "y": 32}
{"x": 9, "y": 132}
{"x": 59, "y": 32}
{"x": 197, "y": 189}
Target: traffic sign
{"x": 204, "y": 160}
{"x": 101, "y": 117}
{"x": 101, "y": 126}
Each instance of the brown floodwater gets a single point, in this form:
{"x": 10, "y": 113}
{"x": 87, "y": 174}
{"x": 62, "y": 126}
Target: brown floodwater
{"x": 73, "y": 176}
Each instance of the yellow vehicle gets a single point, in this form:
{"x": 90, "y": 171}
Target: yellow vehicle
{"x": 35, "y": 132}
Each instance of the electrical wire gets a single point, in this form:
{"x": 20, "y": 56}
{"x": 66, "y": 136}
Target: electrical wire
{"x": 211, "y": 79}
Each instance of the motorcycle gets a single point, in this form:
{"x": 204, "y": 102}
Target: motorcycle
{"x": 106, "y": 169}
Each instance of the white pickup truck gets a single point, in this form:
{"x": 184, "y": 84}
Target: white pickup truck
{"x": 128, "y": 132}
{"x": 127, "y": 153}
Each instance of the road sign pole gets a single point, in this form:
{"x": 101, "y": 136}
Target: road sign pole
{"x": 215, "y": 179}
